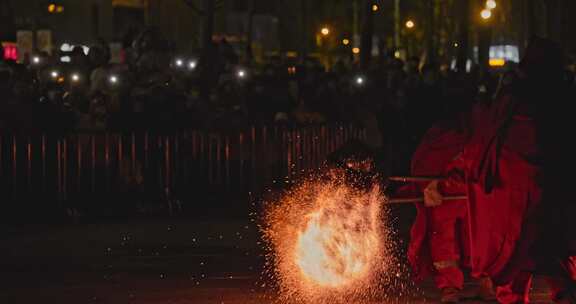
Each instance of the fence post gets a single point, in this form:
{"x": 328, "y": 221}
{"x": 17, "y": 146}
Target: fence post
{"x": 210, "y": 169}
{"x": 241, "y": 158}
{"x": 59, "y": 172}
{"x": 253, "y": 154}
{"x": 29, "y": 163}
{"x": 79, "y": 164}
{"x": 265, "y": 160}
{"x": 218, "y": 159}
{"x": 14, "y": 166}
{"x": 288, "y": 147}
{"x": 194, "y": 145}
{"x": 176, "y": 160}
{"x": 133, "y": 151}
{"x": 43, "y": 156}
{"x": 107, "y": 161}
{"x": 145, "y": 151}
{"x": 120, "y": 158}
{"x": 65, "y": 168}
{"x": 167, "y": 165}
{"x": 93, "y": 161}
{"x": 202, "y": 155}
{"x": 227, "y": 160}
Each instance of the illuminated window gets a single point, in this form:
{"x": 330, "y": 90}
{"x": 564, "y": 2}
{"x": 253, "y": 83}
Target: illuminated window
{"x": 497, "y": 62}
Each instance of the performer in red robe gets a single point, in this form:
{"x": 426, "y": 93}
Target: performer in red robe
{"x": 439, "y": 242}
{"x": 512, "y": 166}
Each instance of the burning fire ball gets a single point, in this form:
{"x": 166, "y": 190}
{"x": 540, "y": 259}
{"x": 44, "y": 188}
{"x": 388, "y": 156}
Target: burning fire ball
{"x": 329, "y": 242}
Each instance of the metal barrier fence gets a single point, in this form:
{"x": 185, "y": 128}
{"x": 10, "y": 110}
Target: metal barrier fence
{"x": 57, "y": 168}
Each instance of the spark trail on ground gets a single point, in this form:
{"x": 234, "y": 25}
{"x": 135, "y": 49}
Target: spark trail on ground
{"x": 329, "y": 242}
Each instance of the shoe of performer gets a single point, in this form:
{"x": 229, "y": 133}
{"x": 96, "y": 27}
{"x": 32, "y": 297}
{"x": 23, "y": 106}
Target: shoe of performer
{"x": 486, "y": 290}
{"x": 450, "y": 295}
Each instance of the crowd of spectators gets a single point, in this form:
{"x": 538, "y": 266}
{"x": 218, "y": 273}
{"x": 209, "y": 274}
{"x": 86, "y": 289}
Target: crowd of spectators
{"x": 155, "y": 88}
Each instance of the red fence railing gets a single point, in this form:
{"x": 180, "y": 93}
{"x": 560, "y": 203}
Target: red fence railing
{"x": 56, "y": 168}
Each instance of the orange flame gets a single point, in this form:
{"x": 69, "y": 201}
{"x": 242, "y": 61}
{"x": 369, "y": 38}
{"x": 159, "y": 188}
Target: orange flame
{"x": 336, "y": 245}
{"x": 328, "y": 242}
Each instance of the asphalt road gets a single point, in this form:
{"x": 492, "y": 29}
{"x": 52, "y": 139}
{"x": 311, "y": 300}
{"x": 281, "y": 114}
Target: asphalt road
{"x": 148, "y": 261}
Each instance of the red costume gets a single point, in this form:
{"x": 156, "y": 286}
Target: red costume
{"x": 503, "y": 193}
{"x": 438, "y": 243}
{"x": 507, "y": 172}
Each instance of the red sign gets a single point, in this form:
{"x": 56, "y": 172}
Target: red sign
{"x": 10, "y": 51}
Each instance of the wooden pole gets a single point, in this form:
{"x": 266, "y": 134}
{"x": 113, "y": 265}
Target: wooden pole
{"x": 421, "y": 199}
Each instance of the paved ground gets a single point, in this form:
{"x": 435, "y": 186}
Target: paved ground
{"x": 142, "y": 261}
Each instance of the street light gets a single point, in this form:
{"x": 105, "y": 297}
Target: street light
{"x": 486, "y": 14}
{"x": 356, "y": 50}
{"x": 325, "y": 31}
{"x": 75, "y": 77}
{"x": 375, "y": 7}
{"x": 54, "y": 8}
{"x": 491, "y": 4}
{"x": 192, "y": 64}
{"x": 410, "y": 24}
{"x": 241, "y": 74}
{"x": 345, "y": 41}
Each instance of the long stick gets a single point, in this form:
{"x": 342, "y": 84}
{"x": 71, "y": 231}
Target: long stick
{"x": 411, "y": 179}
{"x": 421, "y": 199}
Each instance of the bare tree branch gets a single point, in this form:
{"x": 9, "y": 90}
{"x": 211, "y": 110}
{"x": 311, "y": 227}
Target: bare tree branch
{"x": 191, "y": 4}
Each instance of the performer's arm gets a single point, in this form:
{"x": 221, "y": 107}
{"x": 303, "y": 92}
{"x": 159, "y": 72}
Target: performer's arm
{"x": 454, "y": 181}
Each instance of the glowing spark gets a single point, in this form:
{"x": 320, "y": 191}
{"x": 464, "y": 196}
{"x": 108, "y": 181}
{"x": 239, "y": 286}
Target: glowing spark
{"x": 330, "y": 255}
{"x": 329, "y": 243}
